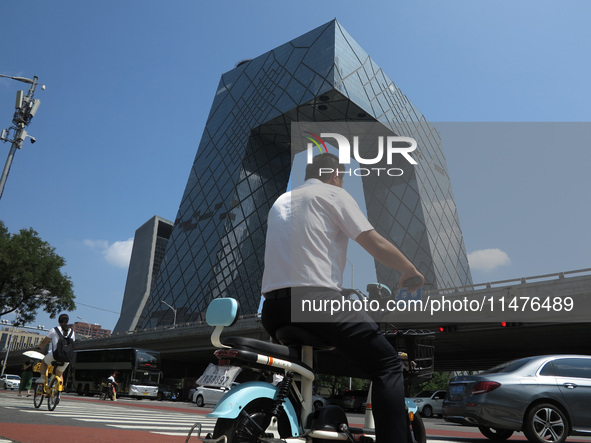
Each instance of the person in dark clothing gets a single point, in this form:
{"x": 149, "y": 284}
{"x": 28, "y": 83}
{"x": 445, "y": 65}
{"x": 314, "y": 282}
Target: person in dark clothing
{"x": 26, "y": 379}
{"x": 318, "y": 219}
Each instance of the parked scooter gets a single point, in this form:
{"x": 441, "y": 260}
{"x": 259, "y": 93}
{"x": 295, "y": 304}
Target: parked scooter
{"x": 258, "y": 411}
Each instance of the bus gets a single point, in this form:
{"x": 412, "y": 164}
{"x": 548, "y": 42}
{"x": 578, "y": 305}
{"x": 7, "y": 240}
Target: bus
{"x": 138, "y": 371}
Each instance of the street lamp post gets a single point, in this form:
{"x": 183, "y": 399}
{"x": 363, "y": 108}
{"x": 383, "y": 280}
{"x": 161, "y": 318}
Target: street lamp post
{"x": 85, "y": 321}
{"x": 173, "y": 310}
{"x": 352, "y": 287}
{"x": 5, "y": 322}
{"x": 352, "y": 273}
{"x": 7, "y": 347}
{"x": 26, "y": 107}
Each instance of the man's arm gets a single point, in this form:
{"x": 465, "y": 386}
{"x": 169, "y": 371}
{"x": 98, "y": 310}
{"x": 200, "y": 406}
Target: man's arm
{"x": 389, "y": 255}
{"x": 44, "y": 342}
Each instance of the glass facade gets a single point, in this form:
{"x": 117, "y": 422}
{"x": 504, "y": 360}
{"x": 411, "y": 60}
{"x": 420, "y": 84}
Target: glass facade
{"x": 243, "y": 164}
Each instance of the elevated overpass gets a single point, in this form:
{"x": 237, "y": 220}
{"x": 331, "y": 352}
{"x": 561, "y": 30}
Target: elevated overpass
{"x": 472, "y": 345}
{"x": 464, "y": 345}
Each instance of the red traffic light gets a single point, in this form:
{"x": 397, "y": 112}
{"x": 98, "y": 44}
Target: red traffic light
{"x": 448, "y": 328}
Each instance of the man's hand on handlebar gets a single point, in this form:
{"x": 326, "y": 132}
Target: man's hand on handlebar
{"x": 411, "y": 280}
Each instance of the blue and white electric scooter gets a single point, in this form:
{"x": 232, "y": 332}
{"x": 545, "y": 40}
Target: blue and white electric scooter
{"x": 262, "y": 412}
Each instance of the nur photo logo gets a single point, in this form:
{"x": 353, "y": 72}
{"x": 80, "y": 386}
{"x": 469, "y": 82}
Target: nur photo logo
{"x": 378, "y": 159}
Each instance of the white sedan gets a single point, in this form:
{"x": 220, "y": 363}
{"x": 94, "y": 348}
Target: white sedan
{"x": 205, "y": 395}
{"x": 9, "y": 381}
{"x": 430, "y": 402}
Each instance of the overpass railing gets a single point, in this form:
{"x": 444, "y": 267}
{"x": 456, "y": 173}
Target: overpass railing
{"x": 455, "y": 289}
{"x": 510, "y": 282}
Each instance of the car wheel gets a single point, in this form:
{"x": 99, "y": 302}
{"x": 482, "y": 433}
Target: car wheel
{"x": 495, "y": 434}
{"x": 546, "y": 423}
{"x": 199, "y": 401}
{"x": 427, "y": 411}
{"x": 317, "y": 404}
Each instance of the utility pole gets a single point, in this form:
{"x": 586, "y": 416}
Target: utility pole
{"x": 26, "y": 107}
{"x": 14, "y": 326}
{"x": 7, "y": 349}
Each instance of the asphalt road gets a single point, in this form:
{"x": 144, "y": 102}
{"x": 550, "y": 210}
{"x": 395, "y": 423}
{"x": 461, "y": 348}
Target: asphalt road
{"x": 83, "y": 419}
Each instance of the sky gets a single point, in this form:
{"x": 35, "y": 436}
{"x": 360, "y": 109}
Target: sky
{"x": 129, "y": 85}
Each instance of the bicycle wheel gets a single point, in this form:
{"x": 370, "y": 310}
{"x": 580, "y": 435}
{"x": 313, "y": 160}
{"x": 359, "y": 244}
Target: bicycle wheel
{"x": 38, "y": 396}
{"x": 53, "y": 396}
{"x": 251, "y": 423}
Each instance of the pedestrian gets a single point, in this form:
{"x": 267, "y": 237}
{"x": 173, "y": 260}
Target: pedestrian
{"x": 113, "y": 386}
{"x": 26, "y": 379}
{"x": 318, "y": 219}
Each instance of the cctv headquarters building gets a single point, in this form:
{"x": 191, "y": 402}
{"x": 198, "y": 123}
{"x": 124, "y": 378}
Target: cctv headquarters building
{"x": 215, "y": 247}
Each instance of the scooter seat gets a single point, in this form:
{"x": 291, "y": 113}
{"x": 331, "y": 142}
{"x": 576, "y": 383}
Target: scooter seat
{"x": 263, "y": 347}
{"x": 294, "y": 336}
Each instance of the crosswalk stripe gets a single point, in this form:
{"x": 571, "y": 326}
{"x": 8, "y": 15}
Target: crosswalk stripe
{"x": 139, "y": 420}
{"x": 184, "y": 434}
{"x": 146, "y": 427}
{"x": 154, "y": 421}
{"x": 131, "y": 417}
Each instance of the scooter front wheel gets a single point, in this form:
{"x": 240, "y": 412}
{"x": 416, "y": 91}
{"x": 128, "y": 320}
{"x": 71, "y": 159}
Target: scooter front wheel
{"x": 416, "y": 429}
{"x": 251, "y": 424}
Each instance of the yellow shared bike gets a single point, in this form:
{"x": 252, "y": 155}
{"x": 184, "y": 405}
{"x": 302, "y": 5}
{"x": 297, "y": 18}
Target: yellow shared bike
{"x": 51, "y": 387}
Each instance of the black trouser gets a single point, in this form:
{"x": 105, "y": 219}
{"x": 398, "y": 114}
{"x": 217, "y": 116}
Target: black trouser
{"x": 361, "y": 343}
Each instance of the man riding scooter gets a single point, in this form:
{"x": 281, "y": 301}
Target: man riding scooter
{"x": 318, "y": 218}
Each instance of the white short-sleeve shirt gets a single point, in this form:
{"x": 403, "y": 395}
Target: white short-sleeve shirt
{"x": 55, "y": 337}
{"x": 307, "y": 235}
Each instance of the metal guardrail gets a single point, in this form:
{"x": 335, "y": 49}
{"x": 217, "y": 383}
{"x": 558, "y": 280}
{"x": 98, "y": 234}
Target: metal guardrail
{"x": 178, "y": 326}
{"x": 455, "y": 289}
{"x": 505, "y": 283}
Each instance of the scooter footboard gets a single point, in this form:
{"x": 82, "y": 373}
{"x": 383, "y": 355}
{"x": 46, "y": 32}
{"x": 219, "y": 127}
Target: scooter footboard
{"x": 235, "y": 400}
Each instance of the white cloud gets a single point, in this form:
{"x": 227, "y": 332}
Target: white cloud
{"x": 98, "y": 244}
{"x": 117, "y": 254}
{"x": 488, "y": 259}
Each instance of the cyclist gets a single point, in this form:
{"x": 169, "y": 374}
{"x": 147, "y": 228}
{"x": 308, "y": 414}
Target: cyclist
{"x": 318, "y": 218}
{"x": 53, "y": 337}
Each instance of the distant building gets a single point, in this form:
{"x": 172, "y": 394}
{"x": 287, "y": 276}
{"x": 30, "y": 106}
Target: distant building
{"x": 91, "y": 331}
{"x": 149, "y": 245}
{"x": 21, "y": 338}
{"x": 243, "y": 163}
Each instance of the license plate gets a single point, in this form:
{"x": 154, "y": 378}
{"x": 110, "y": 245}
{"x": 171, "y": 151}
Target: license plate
{"x": 455, "y": 390}
{"x": 145, "y": 393}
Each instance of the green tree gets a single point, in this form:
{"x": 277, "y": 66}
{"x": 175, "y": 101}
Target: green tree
{"x": 332, "y": 384}
{"x": 440, "y": 380}
{"x": 31, "y": 277}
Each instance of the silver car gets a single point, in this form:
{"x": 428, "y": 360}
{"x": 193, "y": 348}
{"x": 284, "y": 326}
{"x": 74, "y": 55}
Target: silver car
{"x": 210, "y": 395}
{"x": 430, "y": 402}
{"x": 546, "y": 397}
{"x": 10, "y": 381}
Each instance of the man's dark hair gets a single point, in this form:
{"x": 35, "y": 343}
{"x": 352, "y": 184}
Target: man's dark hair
{"x": 323, "y": 162}
{"x": 63, "y": 318}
